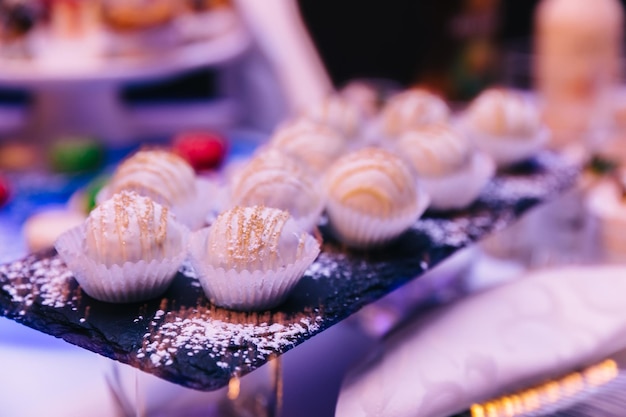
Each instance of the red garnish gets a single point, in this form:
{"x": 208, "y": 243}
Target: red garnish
{"x": 4, "y": 191}
{"x": 203, "y": 150}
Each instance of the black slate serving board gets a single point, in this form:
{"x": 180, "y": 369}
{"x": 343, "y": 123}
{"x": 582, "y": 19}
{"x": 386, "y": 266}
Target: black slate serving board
{"x": 182, "y": 338}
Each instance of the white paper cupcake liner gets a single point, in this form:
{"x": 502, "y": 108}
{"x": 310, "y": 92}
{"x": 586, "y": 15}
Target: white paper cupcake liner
{"x": 248, "y": 290}
{"x": 129, "y": 282}
{"x": 363, "y": 231}
{"x": 461, "y": 188}
{"x": 509, "y": 150}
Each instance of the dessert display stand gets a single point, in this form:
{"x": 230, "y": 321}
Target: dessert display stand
{"x": 183, "y": 338}
{"x": 77, "y": 91}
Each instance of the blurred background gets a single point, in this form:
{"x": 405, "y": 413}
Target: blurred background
{"x": 84, "y": 83}
{"x": 456, "y": 48}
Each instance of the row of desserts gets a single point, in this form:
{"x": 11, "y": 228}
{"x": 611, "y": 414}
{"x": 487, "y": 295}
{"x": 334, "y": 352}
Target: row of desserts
{"x": 132, "y": 244}
{"x": 452, "y": 156}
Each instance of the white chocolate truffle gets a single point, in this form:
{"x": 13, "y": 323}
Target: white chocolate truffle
{"x": 372, "y": 198}
{"x": 449, "y": 170}
{"x": 251, "y": 257}
{"x": 274, "y": 179}
{"x": 337, "y": 113}
{"x": 313, "y": 143}
{"x": 131, "y": 228}
{"x": 506, "y": 125}
{"x": 373, "y": 182}
{"x": 504, "y": 113}
{"x": 434, "y": 150}
{"x": 254, "y": 238}
{"x": 161, "y": 175}
{"x": 127, "y": 250}
{"x": 411, "y": 109}
{"x": 363, "y": 96}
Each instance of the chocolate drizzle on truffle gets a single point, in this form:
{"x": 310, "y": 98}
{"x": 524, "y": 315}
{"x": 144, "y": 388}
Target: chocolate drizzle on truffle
{"x": 315, "y": 144}
{"x": 274, "y": 179}
{"x": 372, "y": 180}
{"x": 434, "y": 150}
{"x": 161, "y": 175}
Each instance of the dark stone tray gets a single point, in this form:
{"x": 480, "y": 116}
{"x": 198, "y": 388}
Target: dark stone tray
{"x": 182, "y": 338}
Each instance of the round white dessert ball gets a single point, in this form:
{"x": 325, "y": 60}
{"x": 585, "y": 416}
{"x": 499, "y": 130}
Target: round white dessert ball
{"x": 434, "y": 150}
{"x": 313, "y": 143}
{"x": 130, "y": 228}
{"x": 410, "y": 109}
{"x": 254, "y": 238}
{"x": 161, "y": 175}
{"x": 274, "y": 179}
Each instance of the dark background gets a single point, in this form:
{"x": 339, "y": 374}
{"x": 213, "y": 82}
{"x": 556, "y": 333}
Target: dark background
{"x": 406, "y": 41}
{"x": 398, "y": 39}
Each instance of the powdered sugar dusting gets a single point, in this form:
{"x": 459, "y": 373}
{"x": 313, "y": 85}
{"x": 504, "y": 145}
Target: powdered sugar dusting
{"x": 248, "y": 336}
{"x": 47, "y": 280}
{"x": 540, "y": 185}
{"x": 326, "y": 265}
{"x": 462, "y": 231}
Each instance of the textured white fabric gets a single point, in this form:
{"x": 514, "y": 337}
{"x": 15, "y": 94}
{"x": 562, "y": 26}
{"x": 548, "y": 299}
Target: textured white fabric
{"x": 508, "y": 338}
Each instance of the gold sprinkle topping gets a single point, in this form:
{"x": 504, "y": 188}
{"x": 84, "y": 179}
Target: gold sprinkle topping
{"x": 127, "y": 227}
{"x": 249, "y": 233}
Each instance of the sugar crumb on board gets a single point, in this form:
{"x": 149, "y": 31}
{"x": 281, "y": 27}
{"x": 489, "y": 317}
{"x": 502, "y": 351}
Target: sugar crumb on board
{"x": 46, "y": 281}
{"x": 220, "y": 333}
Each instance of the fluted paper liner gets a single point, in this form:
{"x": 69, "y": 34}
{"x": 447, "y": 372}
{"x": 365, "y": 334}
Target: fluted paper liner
{"x": 360, "y": 230}
{"x": 508, "y": 150}
{"x": 459, "y": 189}
{"x": 248, "y": 290}
{"x": 125, "y": 283}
